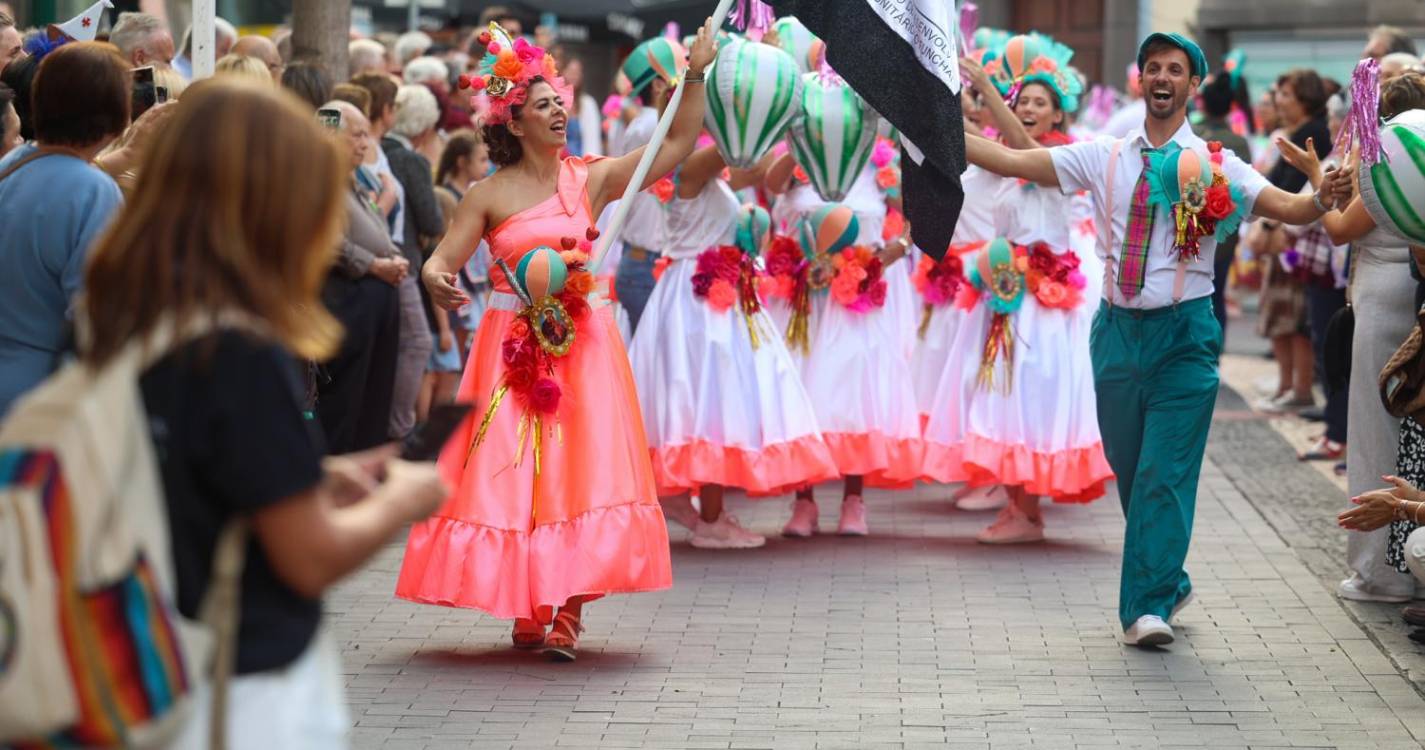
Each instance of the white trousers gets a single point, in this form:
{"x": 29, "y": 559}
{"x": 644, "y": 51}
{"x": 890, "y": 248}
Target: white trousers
{"x": 302, "y": 706}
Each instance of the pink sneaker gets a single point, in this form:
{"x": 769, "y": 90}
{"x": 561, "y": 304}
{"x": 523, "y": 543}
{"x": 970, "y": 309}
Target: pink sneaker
{"x": 680, "y": 510}
{"x": 989, "y": 497}
{"x": 804, "y": 520}
{"x": 1012, "y": 527}
{"x": 724, "y": 533}
{"x": 853, "y": 517}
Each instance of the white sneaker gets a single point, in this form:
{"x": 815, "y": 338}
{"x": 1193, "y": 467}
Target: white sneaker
{"x": 990, "y": 497}
{"x": 680, "y": 510}
{"x": 724, "y": 533}
{"x": 1012, "y": 527}
{"x": 1149, "y": 630}
{"x": 1356, "y": 590}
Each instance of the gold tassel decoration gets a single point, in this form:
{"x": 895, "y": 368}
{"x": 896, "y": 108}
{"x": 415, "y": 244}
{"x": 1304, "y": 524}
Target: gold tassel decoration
{"x": 926, "y": 311}
{"x": 521, "y": 437}
{"x": 485, "y": 421}
{"x": 999, "y": 341}
{"x": 537, "y": 442}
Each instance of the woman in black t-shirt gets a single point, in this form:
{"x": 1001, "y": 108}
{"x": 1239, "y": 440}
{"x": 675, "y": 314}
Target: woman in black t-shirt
{"x": 220, "y": 225}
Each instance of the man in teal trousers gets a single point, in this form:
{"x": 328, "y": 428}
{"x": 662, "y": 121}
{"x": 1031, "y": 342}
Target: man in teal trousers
{"x": 1155, "y": 340}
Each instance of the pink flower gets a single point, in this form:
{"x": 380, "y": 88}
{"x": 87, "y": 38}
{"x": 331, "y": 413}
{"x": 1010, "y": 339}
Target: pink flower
{"x": 883, "y": 154}
{"x": 845, "y": 290}
{"x": 877, "y": 293}
{"x": 612, "y": 106}
{"x": 544, "y": 396}
{"x": 722, "y": 295}
{"x": 1077, "y": 280}
{"x": 1052, "y": 294}
{"x": 526, "y": 52}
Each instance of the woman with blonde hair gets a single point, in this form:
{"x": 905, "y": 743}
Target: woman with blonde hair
{"x": 211, "y": 237}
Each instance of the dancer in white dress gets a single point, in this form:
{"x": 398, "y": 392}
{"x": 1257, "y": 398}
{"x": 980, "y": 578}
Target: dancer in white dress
{"x": 723, "y": 402}
{"x": 858, "y": 368}
{"x": 1020, "y": 409}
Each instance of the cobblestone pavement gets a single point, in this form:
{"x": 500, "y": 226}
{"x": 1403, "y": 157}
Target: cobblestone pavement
{"x": 915, "y": 637}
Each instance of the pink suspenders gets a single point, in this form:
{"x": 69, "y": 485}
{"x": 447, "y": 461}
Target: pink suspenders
{"x": 1106, "y": 236}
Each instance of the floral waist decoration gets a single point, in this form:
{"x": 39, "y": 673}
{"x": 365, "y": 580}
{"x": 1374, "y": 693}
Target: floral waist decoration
{"x": 937, "y": 281}
{"x": 859, "y": 284}
{"x": 726, "y": 276}
{"x": 553, "y": 287}
{"x": 1054, "y": 278}
{"x": 999, "y": 278}
{"x": 1193, "y": 188}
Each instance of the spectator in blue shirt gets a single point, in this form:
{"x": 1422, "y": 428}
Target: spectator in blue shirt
{"x": 53, "y": 204}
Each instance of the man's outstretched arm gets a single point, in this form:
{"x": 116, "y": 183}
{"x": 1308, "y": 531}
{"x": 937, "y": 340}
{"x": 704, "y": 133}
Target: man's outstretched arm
{"x": 1035, "y": 165}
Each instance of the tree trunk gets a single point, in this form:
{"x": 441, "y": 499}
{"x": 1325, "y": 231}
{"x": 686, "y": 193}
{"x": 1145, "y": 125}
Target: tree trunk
{"x": 320, "y": 32}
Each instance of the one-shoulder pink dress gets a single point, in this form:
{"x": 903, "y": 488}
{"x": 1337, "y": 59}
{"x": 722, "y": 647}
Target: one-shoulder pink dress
{"x": 515, "y": 544}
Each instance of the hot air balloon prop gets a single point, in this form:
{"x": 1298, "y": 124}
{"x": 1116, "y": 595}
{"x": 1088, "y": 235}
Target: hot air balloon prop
{"x": 753, "y": 92}
{"x": 1191, "y": 186}
{"x": 1393, "y": 188}
{"x": 798, "y": 41}
{"x": 833, "y": 135}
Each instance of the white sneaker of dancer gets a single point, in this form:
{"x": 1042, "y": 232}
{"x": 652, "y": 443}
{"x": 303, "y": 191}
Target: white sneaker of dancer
{"x": 989, "y": 497}
{"x": 1149, "y": 630}
{"x": 724, "y": 533}
{"x": 1012, "y": 527}
{"x": 680, "y": 510}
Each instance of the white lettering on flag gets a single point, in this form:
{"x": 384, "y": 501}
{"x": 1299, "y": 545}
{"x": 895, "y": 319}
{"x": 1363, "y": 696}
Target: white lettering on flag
{"x": 930, "y": 28}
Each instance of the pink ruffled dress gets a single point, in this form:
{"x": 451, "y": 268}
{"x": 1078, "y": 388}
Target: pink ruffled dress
{"x": 516, "y": 541}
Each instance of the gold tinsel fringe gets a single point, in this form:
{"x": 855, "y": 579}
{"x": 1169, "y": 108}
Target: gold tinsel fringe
{"x": 925, "y": 313}
{"x": 495, "y": 399}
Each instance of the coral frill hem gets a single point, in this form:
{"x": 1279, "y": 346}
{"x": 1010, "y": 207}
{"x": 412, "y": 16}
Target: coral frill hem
{"x": 1077, "y": 475}
{"x": 509, "y": 573}
{"x": 884, "y": 462}
{"x": 774, "y": 470}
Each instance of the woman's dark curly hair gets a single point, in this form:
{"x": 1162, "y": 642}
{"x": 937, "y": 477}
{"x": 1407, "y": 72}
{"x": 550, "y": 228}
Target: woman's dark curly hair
{"x": 504, "y": 147}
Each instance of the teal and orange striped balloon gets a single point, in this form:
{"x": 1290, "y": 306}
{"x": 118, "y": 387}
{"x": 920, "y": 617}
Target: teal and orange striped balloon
{"x": 829, "y": 229}
{"x": 753, "y": 92}
{"x": 753, "y": 226}
{"x": 833, "y": 135}
{"x": 1182, "y": 169}
{"x": 1393, "y": 188}
{"x": 1019, "y": 54}
{"x": 541, "y": 273}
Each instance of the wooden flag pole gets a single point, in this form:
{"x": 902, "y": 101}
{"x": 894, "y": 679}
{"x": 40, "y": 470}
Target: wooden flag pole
{"x": 611, "y": 232}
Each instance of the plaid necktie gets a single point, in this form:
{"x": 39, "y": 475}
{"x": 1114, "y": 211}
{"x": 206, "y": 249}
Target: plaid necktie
{"x": 1133, "y": 264}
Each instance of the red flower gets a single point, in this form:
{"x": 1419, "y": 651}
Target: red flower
{"x": 519, "y": 379}
{"x": 702, "y": 282}
{"x": 1219, "y": 203}
{"x": 544, "y": 396}
{"x": 516, "y": 351}
{"x": 577, "y": 307}
{"x": 722, "y": 295}
{"x": 887, "y": 177}
{"x": 519, "y": 328}
{"x": 877, "y": 292}
{"x": 663, "y": 189}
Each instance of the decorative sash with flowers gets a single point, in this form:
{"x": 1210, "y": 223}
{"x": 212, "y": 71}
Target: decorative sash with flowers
{"x": 553, "y": 288}
{"x": 727, "y": 276}
{"x": 939, "y": 281}
{"x": 792, "y": 276}
{"x": 1195, "y": 191}
{"x": 1053, "y": 278}
{"x": 859, "y": 284}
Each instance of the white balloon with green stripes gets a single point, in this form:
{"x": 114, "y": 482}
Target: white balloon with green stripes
{"x": 833, "y": 136}
{"x": 753, "y": 91}
{"x": 1393, "y": 189}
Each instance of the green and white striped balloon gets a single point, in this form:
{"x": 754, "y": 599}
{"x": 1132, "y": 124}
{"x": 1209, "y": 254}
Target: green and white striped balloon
{"x": 753, "y": 92}
{"x": 794, "y": 37}
{"x": 1393, "y": 189}
{"x": 833, "y": 136}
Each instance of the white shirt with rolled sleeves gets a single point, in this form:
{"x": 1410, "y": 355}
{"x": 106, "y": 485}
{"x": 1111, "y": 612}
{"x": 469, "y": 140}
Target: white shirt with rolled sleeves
{"x": 1084, "y": 166}
{"x": 647, "y": 224}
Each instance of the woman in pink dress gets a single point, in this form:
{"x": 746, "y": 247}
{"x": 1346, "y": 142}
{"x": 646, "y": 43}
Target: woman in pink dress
{"x": 554, "y": 502}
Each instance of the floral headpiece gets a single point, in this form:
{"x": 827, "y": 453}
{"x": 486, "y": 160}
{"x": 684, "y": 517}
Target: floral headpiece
{"x": 1036, "y": 58}
{"x": 505, "y": 73}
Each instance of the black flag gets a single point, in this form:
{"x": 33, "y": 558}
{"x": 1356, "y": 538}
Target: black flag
{"x": 887, "y": 72}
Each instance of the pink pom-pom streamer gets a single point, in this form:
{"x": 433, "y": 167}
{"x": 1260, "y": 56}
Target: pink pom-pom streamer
{"x": 1362, "y": 124}
{"x": 969, "y": 22}
{"x": 752, "y": 15}
{"x": 883, "y": 154}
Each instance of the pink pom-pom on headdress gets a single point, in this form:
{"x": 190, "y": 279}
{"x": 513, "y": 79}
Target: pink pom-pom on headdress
{"x": 1363, "y": 120}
